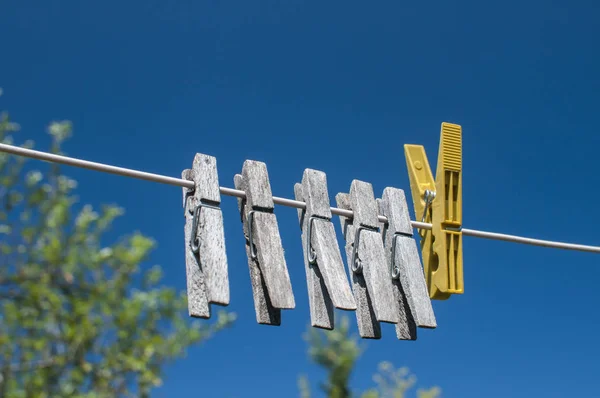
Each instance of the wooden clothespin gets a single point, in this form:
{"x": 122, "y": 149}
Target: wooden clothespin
{"x": 206, "y": 258}
{"x": 371, "y": 282}
{"x": 271, "y": 285}
{"x": 407, "y": 276}
{"x": 439, "y": 202}
{"x": 325, "y": 276}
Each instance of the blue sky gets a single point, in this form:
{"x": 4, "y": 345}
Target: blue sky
{"x": 340, "y": 87}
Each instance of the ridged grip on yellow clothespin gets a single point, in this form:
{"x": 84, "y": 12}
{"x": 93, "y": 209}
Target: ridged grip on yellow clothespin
{"x": 442, "y": 246}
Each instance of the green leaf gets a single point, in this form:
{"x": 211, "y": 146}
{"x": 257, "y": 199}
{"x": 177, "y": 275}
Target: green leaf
{"x": 60, "y": 130}
{"x": 33, "y": 178}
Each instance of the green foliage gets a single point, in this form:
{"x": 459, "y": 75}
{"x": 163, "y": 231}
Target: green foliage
{"x": 79, "y": 316}
{"x": 337, "y": 352}
{"x": 395, "y": 383}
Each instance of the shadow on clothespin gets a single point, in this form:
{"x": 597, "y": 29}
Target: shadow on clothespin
{"x": 271, "y": 285}
{"x": 371, "y": 282}
{"x": 325, "y": 276}
{"x": 439, "y": 202}
{"x": 206, "y": 258}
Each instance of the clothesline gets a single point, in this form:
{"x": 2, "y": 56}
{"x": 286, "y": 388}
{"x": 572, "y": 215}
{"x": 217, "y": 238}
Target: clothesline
{"x": 142, "y": 175}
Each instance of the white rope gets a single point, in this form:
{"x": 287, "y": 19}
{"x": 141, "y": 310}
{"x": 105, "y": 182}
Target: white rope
{"x": 142, "y": 175}
{"x": 530, "y": 241}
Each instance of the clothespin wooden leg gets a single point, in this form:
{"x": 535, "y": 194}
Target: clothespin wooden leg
{"x": 327, "y": 282}
{"x": 370, "y": 253}
{"x": 209, "y": 243}
{"x": 319, "y": 301}
{"x": 266, "y": 314}
{"x": 407, "y": 275}
{"x": 406, "y": 328}
{"x": 263, "y": 235}
{"x": 372, "y": 285}
{"x": 368, "y": 326}
{"x": 196, "y": 287}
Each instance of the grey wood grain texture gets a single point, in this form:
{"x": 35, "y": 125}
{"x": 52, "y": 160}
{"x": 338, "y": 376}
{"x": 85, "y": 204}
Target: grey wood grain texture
{"x": 324, "y": 240}
{"x": 265, "y": 232}
{"x": 266, "y": 314}
{"x": 271, "y": 260}
{"x": 212, "y": 254}
{"x": 320, "y": 304}
{"x": 364, "y": 206}
{"x": 368, "y": 326}
{"x": 406, "y": 328}
{"x": 395, "y": 207}
{"x": 314, "y": 186}
{"x": 412, "y": 278}
{"x": 372, "y": 253}
{"x": 377, "y": 276}
{"x": 206, "y": 178}
{"x": 198, "y": 306}
{"x": 258, "y": 192}
{"x": 329, "y": 261}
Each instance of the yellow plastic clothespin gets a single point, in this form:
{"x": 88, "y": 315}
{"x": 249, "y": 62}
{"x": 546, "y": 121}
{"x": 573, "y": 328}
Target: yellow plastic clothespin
{"x": 439, "y": 202}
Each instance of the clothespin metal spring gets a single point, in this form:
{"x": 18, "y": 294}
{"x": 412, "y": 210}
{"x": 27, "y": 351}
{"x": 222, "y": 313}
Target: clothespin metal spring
{"x": 356, "y": 263}
{"x": 312, "y": 255}
{"x": 396, "y": 268}
{"x": 429, "y": 196}
{"x": 194, "y": 241}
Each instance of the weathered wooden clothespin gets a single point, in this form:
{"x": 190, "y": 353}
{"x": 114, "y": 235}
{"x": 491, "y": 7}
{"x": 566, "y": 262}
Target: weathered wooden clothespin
{"x": 371, "y": 282}
{"x": 325, "y": 276}
{"x": 206, "y": 258}
{"x": 407, "y": 275}
{"x": 271, "y": 285}
{"x": 439, "y": 202}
